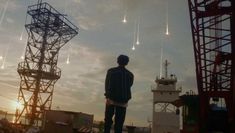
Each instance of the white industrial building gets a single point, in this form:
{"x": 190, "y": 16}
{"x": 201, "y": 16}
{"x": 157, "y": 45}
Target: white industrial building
{"x": 166, "y": 118}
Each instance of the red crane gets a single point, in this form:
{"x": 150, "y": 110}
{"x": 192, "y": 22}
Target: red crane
{"x": 213, "y": 34}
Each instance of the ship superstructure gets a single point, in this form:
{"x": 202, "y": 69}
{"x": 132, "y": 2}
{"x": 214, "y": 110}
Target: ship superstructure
{"x": 166, "y": 117}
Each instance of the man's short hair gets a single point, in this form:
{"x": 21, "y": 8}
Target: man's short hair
{"x": 122, "y": 60}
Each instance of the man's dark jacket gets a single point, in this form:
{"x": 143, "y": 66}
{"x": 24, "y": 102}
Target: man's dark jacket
{"x": 118, "y": 84}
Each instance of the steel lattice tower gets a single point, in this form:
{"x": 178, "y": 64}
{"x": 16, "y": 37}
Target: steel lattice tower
{"x": 212, "y": 24}
{"x": 47, "y": 32}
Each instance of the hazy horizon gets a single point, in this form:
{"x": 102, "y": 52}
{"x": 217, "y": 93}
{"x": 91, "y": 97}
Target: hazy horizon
{"x": 102, "y": 37}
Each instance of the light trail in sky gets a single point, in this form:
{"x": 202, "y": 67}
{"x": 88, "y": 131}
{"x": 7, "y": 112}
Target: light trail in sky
{"x": 21, "y": 35}
{"x": 22, "y": 57}
{"x": 4, "y": 12}
{"x": 134, "y": 37}
{"x": 1, "y": 57}
{"x": 133, "y": 47}
{"x": 124, "y": 19}
{"x": 138, "y": 32}
{"x": 23, "y": 52}
{"x": 0, "y": 10}
{"x": 68, "y": 59}
{"x": 21, "y": 38}
{"x": 23, "y": 29}
{"x": 3, "y": 64}
{"x": 167, "y": 19}
{"x": 4, "y": 59}
{"x": 68, "y": 53}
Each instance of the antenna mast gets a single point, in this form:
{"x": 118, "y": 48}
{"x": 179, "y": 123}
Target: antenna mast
{"x": 166, "y": 68}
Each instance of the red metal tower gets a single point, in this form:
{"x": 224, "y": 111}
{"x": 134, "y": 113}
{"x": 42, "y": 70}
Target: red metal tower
{"x": 47, "y": 32}
{"x": 213, "y": 32}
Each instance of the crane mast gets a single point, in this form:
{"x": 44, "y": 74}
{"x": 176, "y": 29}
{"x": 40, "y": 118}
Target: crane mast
{"x": 213, "y": 34}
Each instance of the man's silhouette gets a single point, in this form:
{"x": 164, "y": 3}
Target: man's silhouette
{"x": 118, "y": 84}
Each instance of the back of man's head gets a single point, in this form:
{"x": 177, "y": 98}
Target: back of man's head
{"x": 122, "y": 60}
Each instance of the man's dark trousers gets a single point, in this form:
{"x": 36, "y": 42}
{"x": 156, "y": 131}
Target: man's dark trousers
{"x": 120, "y": 113}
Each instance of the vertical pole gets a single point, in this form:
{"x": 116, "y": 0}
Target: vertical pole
{"x": 233, "y": 65}
{"x": 153, "y": 121}
{"x": 166, "y": 68}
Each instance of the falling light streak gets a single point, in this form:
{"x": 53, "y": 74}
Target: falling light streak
{"x": 4, "y": 59}
{"x": 3, "y": 62}
{"x": 68, "y": 59}
{"x": 2, "y": 67}
{"x": 22, "y": 57}
{"x": 21, "y": 35}
{"x": 1, "y": 10}
{"x": 138, "y": 32}
{"x": 134, "y": 37}
{"x": 22, "y": 32}
{"x": 21, "y": 38}
{"x": 167, "y": 30}
{"x": 4, "y": 12}
{"x": 167, "y": 21}
{"x": 68, "y": 53}
{"x": 124, "y": 19}
{"x": 133, "y": 47}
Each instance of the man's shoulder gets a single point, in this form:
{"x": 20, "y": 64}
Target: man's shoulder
{"x": 118, "y": 69}
{"x": 130, "y": 73}
{"x": 112, "y": 69}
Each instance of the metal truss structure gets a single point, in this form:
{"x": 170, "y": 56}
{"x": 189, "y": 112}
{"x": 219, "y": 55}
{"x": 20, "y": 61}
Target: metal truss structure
{"x": 212, "y": 24}
{"x": 48, "y": 31}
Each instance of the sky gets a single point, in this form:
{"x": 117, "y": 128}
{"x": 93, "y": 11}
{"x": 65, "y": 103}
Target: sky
{"x": 102, "y": 37}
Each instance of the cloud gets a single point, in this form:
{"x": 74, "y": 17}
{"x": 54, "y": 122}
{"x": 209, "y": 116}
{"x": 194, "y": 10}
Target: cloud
{"x": 9, "y": 20}
{"x": 85, "y": 78}
{"x": 99, "y": 13}
{"x": 87, "y": 23}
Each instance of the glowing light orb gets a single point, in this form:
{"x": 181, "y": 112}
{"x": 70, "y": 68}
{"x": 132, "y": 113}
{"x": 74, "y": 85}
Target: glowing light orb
{"x": 67, "y": 62}
{"x": 167, "y": 33}
{"x": 2, "y": 67}
{"x": 22, "y": 57}
{"x": 167, "y": 29}
{"x": 17, "y": 105}
{"x": 124, "y": 19}
{"x": 133, "y": 48}
{"x": 137, "y": 42}
{"x": 1, "y": 57}
{"x": 21, "y": 38}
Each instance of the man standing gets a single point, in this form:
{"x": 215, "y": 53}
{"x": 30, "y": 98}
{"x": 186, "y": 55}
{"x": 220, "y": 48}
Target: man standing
{"x": 118, "y": 84}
